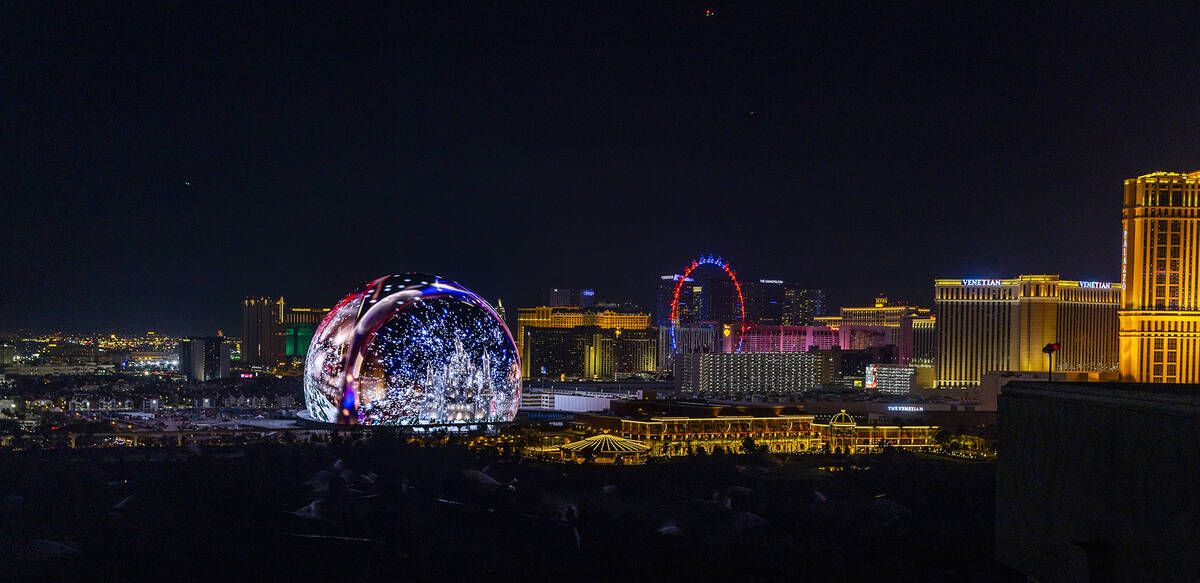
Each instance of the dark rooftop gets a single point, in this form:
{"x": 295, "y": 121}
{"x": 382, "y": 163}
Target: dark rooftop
{"x": 1186, "y": 395}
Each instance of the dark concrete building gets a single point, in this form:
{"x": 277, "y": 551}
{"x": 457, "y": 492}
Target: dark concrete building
{"x": 261, "y": 338}
{"x": 1097, "y": 481}
{"x": 273, "y": 332}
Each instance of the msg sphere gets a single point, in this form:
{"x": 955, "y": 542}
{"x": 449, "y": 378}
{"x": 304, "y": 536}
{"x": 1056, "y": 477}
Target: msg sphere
{"x": 412, "y": 349}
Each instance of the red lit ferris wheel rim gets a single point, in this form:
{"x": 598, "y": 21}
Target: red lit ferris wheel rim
{"x": 708, "y": 260}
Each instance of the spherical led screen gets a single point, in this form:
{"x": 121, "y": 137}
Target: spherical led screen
{"x": 412, "y": 350}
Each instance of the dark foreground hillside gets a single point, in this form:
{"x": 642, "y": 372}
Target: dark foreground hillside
{"x": 386, "y": 511}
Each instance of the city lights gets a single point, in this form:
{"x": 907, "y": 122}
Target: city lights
{"x": 209, "y": 372}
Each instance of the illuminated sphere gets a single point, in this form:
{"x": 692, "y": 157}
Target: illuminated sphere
{"x": 412, "y": 349}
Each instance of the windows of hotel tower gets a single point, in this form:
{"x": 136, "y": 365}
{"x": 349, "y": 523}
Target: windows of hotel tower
{"x": 1168, "y": 252}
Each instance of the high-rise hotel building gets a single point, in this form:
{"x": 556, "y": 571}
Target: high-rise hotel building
{"x": 261, "y": 340}
{"x": 763, "y": 372}
{"x": 273, "y": 332}
{"x": 986, "y": 325}
{"x": 1160, "y": 266}
{"x": 571, "y": 342}
{"x": 910, "y": 328}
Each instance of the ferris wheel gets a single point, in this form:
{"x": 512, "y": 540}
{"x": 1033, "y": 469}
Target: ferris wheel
{"x": 717, "y": 262}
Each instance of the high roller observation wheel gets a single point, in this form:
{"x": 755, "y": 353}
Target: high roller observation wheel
{"x": 724, "y": 265}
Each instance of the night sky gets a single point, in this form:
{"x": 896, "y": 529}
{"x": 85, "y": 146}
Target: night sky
{"x": 162, "y": 164}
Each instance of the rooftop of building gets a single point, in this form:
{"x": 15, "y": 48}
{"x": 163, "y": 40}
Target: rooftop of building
{"x": 842, "y": 419}
{"x": 882, "y": 303}
{"x": 1184, "y": 398}
{"x": 983, "y": 282}
{"x": 701, "y": 408}
{"x": 632, "y": 384}
{"x": 628, "y": 309}
{"x": 605, "y": 443}
{"x": 1166, "y": 174}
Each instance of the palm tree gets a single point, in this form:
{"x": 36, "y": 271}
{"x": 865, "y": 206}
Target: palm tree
{"x": 943, "y": 439}
{"x": 748, "y": 446}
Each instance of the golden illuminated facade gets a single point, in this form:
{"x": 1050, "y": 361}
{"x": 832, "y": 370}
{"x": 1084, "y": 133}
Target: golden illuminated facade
{"x": 924, "y": 335}
{"x": 570, "y": 317}
{"x": 672, "y": 436}
{"x": 987, "y": 325}
{"x": 1160, "y": 266}
{"x": 882, "y": 313}
{"x": 603, "y": 343}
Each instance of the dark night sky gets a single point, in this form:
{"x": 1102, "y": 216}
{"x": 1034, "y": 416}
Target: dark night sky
{"x": 161, "y": 164}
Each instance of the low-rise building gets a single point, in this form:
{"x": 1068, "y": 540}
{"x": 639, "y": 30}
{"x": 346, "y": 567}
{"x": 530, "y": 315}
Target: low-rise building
{"x": 12, "y": 406}
{"x": 38, "y": 370}
{"x": 99, "y": 403}
{"x": 786, "y": 433}
{"x": 567, "y": 400}
{"x": 238, "y": 401}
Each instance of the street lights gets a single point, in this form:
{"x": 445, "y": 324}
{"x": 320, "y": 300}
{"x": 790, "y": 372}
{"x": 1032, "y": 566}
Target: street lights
{"x": 1050, "y": 349}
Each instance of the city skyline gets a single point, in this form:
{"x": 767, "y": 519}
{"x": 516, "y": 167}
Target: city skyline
{"x": 597, "y": 147}
{"x": 599, "y": 292}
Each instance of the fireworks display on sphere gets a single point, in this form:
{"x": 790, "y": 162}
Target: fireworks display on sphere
{"x": 412, "y": 349}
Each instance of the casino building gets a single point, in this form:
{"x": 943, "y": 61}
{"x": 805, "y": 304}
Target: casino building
{"x": 273, "y": 332}
{"x": 987, "y": 325}
{"x": 1160, "y": 267}
{"x": 785, "y": 433}
{"x": 910, "y": 328}
{"x": 731, "y": 372}
{"x": 566, "y": 341}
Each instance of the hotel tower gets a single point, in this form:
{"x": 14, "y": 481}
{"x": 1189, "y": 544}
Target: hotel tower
{"x": 986, "y": 325}
{"x": 1160, "y": 266}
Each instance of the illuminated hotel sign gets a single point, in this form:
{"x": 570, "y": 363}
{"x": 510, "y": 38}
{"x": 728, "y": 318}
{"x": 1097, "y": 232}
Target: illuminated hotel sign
{"x": 870, "y": 381}
{"x": 587, "y": 293}
{"x": 905, "y": 408}
{"x": 981, "y": 282}
{"x": 1095, "y": 285}
{"x": 1124, "y": 250}
{"x": 770, "y": 281}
